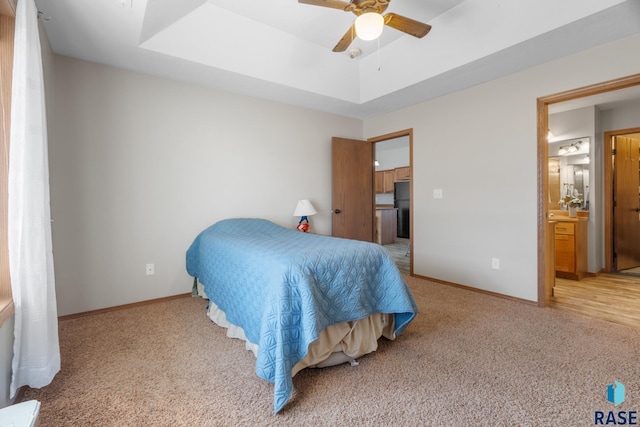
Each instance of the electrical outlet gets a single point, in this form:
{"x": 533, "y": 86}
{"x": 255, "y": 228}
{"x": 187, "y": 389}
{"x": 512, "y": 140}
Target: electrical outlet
{"x": 151, "y": 269}
{"x": 437, "y": 193}
{"x": 495, "y": 263}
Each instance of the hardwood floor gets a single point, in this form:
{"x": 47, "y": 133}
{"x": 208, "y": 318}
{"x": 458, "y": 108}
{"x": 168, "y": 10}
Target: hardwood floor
{"x": 400, "y": 253}
{"x": 611, "y": 297}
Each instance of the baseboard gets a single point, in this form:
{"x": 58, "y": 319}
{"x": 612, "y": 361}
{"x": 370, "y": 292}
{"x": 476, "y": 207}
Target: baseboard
{"x": 481, "y": 291}
{"x": 122, "y": 307}
{"x": 596, "y": 274}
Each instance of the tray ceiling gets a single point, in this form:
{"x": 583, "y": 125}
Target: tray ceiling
{"x": 281, "y": 50}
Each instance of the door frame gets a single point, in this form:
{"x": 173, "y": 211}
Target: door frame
{"x": 608, "y": 195}
{"x": 393, "y": 135}
{"x": 546, "y": 274}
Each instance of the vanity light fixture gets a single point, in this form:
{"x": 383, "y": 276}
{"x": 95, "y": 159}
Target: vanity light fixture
{"x": 569, "y": 149}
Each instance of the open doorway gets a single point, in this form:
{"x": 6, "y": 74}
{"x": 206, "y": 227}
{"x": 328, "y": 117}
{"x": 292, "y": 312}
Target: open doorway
{"x": 392, "y": 193}
{"x": 622, "y": 175}
{"x": 575, "y": 97}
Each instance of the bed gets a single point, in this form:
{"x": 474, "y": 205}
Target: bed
{"x": 298, "y": 299}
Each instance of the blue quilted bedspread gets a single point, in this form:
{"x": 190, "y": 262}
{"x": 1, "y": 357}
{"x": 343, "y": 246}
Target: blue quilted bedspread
{"x": 283, "y": 287}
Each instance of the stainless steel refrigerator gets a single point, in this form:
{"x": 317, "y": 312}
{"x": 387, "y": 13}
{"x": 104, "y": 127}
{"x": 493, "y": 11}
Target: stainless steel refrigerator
{"x": 401, "y": 196}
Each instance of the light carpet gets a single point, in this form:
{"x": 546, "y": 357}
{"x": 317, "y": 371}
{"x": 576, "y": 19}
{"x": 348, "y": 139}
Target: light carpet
{"x": 467, "y": 359}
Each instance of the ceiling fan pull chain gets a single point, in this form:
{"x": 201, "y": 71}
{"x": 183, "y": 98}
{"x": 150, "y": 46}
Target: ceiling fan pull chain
{"x": 378, "y": 53}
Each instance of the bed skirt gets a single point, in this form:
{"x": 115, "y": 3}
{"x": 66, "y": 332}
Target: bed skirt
{"x": 339, "y": 343}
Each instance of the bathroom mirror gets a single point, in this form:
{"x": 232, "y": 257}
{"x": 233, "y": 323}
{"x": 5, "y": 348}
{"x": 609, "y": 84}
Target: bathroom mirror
{"x": 569, "y": 164}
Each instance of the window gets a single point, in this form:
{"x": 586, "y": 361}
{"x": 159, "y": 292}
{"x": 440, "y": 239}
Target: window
{"x": 7, "y": 26}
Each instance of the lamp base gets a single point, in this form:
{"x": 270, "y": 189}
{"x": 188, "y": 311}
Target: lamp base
{"x": 303, "y": 225}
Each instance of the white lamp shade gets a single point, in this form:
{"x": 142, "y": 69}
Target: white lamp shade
{"x": 304, "y": 208}
{"x": 369, "y": 25}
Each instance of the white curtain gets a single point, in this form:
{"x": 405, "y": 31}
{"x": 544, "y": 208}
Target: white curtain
{"x": 36, "y": 351}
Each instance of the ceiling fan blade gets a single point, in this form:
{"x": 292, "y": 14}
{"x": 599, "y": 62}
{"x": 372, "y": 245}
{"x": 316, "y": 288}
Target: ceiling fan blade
{"x": 335, "y": 4}
{"x": 346, "y": 40}
{"x": 407, "y": 25}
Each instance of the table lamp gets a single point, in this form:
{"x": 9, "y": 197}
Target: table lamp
{"x": 304, "y": 208}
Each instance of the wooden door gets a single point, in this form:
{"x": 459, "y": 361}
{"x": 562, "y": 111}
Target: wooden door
{"x": 626, "y": 215}
{"x": 352, "y": 189}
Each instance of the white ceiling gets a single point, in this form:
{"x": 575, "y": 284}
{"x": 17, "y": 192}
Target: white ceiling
{"x": 282, "y": 50}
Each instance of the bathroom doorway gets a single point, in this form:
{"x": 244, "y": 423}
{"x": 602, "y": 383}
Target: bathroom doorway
{"x": 546, "y": 276}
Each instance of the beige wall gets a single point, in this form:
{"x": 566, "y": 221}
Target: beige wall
{"x": 479, "y": 146}
{"x": 140, "y": 165}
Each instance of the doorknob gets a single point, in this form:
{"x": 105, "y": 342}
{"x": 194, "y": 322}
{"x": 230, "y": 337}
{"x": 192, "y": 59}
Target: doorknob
{"x": 636, "y": 209}
{"x": 337, "y": 211}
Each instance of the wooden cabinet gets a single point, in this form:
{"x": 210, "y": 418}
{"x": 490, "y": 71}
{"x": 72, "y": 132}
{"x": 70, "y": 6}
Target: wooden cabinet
{"x": 571, "y": 248}
{"x": 386, "y": 226}
{"x": 565, "y": 248}
{"x": 384, "y": 181}
{"x": 403, "y": 173}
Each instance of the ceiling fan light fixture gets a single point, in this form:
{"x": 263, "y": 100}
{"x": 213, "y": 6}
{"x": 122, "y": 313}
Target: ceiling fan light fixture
{"x": 369, "y": 26}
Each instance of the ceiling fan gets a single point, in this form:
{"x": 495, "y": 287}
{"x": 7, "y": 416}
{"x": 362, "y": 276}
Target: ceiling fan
{"x": 370, "y": 10}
